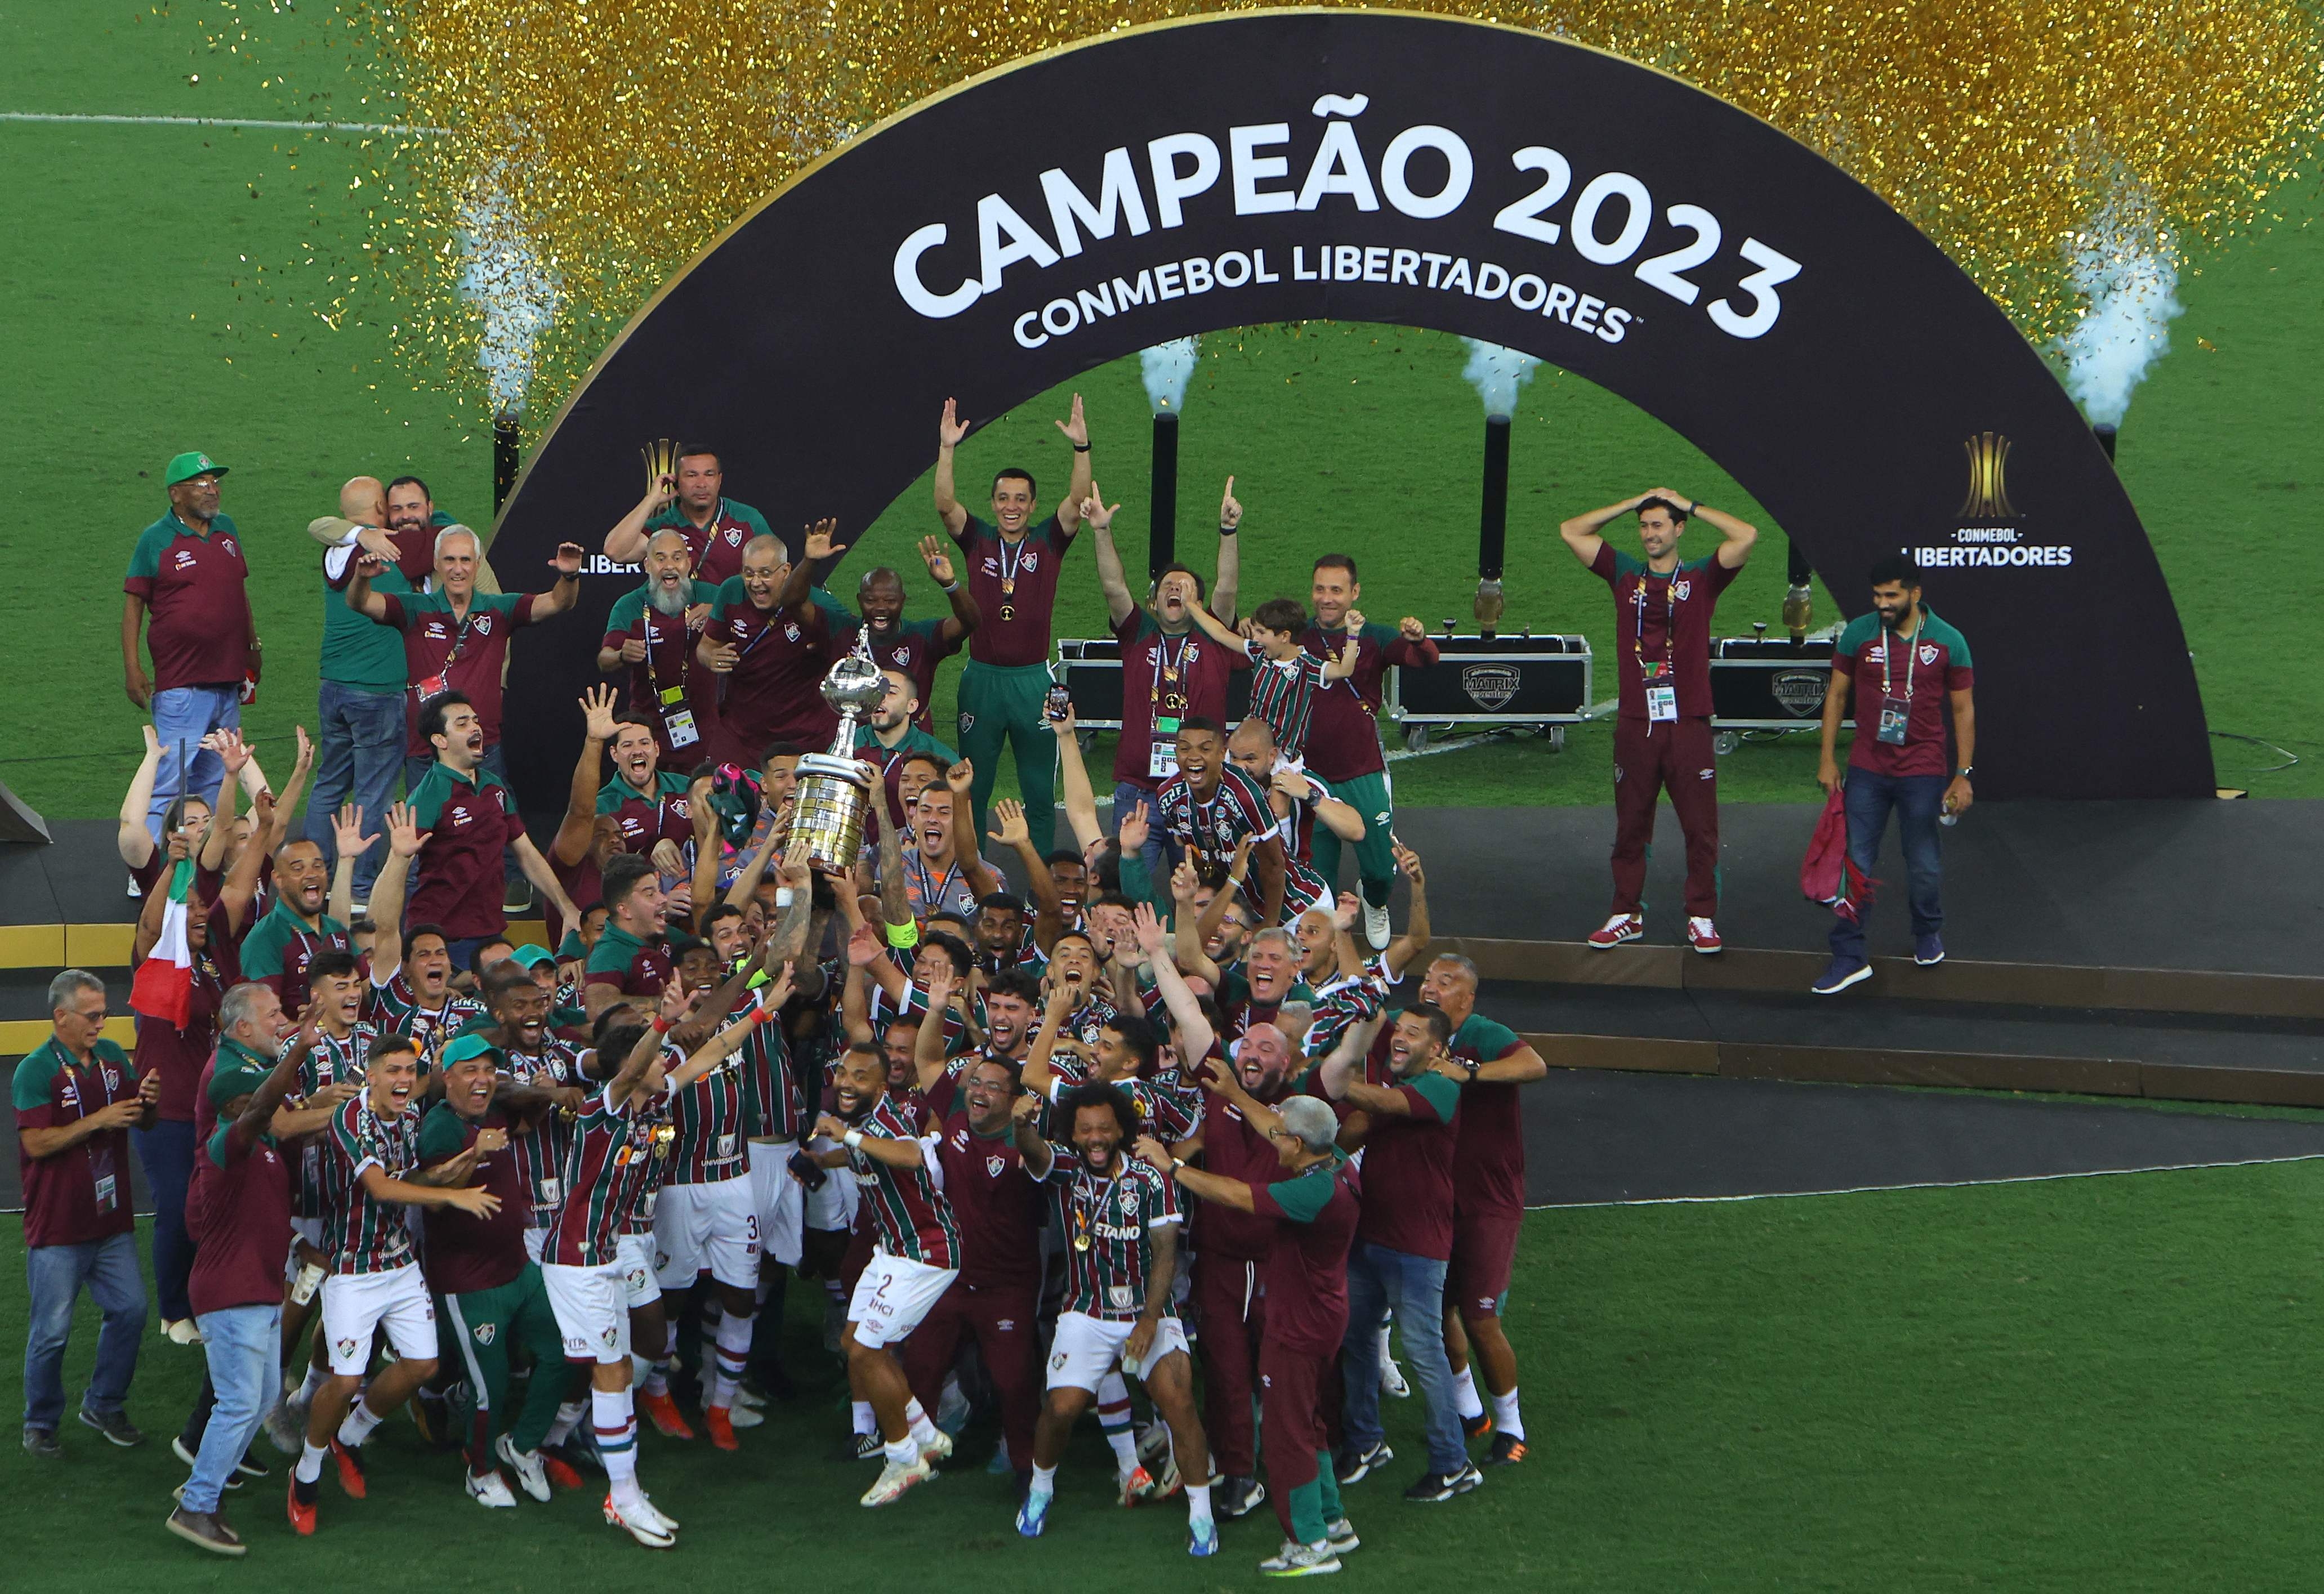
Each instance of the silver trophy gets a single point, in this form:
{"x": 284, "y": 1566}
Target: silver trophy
{"x": 833, "y": 797}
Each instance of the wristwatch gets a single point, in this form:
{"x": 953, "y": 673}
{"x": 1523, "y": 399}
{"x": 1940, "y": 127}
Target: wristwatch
{"x": 1471, "y": 1064}
{"x": 1965, "y": 771}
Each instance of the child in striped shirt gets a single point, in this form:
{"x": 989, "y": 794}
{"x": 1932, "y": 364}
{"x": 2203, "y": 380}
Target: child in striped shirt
{"x": 1285, "y": 677}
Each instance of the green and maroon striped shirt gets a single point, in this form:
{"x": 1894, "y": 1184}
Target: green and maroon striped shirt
{"x": 611, "y": 1170}
{"x": 364, "y": 1235}
{"x": 1118, "y": 1215}
{"x": 539, "y": 1151}
{"x": 330, "y": 1062}
{"x": 709, "y": 1115}
{"x": 915, "y": 1220}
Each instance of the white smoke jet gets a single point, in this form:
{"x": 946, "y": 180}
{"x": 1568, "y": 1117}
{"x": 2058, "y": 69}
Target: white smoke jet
{"x": 519, "y": 295}
{"x": 1168, "y": 367}
{"x": 1496, "y": 373}
{"x": 2122, "y": 265}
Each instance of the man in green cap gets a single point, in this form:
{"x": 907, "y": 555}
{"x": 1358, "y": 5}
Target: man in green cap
{"x": 488, "y": 1291}
{"x": 188, "y": 573}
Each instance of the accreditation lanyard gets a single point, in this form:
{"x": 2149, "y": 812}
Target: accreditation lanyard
{"x": 664, "y": 696}
{"x": 1658, "y": 678}
{"x": 1888, "y": 658}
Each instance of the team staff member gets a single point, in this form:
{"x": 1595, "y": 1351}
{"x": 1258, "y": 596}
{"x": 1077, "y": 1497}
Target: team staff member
{"x": 360, "y": 730}
{"x": 769, "y": 640}
{"x": 1912, "y": 674}
{"x": 1312, "y": 1208}
{"x": 1662, "y": 732}
{"x": 632, "y": 958}
{"x": 693, "y": 505}
{"x": 1013, "y": 572}
{"x": 243, "y": 1190}
{"x": 1343, "y": 744}
{"x": 916, "y": 646}
{"x": 188, "y": 574}
{"x": 1488, "y": 1202}
{"x": 77, "y": 1097}
{"x": 469, "y": 821}
{"x": 651, "y": 631}
{"x": 1170, "y": 672}
{"x": 456, "y": 638}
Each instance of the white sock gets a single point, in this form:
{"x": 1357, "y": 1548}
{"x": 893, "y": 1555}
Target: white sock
{"x": 904, "y": 1451}
{"x": 358, "y": 1426}
{"x": 861, "y": 1412}
{"x": 1044, "y": 1479}
{"x": 916, "y": 1417}
{"x": 1504, "y": 1413}
{"x": 657, "y": 1380}
{"x": 733, "y": 1352}
{"x": 568, "y": 1417}
{"x": 311, "y": 1384}
{"x": 615, "y": 1423}
{"x": 1198, "y": 1503}
{"x": 310, "y": 1463}
{"x": 1465, "y": 1393}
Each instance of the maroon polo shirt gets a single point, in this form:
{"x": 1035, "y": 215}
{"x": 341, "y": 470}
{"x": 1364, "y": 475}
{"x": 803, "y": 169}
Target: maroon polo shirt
{"x": 193, "y": 585}
{"x": 669, "y": 664}
{"x": 1307, "y": 1262}
{"x": 1662, "y": 619}
{"x": 916, "y": 646}
{"x": 1343, "y": 728}
{"x": 1232, "y": 1149}
{"x": 470, "y": 822}
{"x": 1148, "y": 693}
{"x": 773, "y": 693}
{"x": 1015, "y": 629}
{"x": 475, "y": 647}
{"x": 1407, "y": 1190}
{"x": 81, "y": 1194}
{"x": 238, "y": 1212}
{"x": 460, "y": 1254}
{"x": 994, "y": 1201}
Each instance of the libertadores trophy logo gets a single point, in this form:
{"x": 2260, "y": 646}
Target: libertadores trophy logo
{"x": 1989, "y": 491}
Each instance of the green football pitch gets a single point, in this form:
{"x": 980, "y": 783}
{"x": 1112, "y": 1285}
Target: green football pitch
{"x": 2100, "y": 1383}
{"x": 141, "y": 324}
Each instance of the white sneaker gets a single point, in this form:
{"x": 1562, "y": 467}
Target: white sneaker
{"x": 491, "y": 1489}
{"x": 531, "y": 1473}
{"x": 669, "y": 1523}
{"x": 1296, "y": 1560}
{"x": 1392, "y": 1382}
{"x": 746, "y": 1397}
{"x": 640, "y": 1525}
{"x": 745, "y": 1416}
{"x": 895, "y": 1478}
{"x": 1375, "y": 926}
{"x": 1153, "y": 1440}
{"x": 938, "y": 1448}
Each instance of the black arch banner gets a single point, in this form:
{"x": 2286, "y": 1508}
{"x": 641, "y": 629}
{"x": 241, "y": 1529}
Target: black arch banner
{"x": 1273, "y": 166}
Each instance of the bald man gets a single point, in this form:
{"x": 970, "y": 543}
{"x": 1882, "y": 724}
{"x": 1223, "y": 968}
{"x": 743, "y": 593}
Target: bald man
{"x": 359, "y": 708}
{"x": 916, "y": 646}
{"x": 768, "y": 643}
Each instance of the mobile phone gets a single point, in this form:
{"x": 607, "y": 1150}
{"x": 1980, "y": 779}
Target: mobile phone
{"x": 1059, "y": 703}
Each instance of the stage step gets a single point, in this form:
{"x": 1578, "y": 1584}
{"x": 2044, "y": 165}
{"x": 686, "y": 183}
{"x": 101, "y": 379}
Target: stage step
{"x": 1863, "y": 1038}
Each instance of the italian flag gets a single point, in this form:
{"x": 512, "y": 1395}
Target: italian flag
{"x": 164, "y": 985}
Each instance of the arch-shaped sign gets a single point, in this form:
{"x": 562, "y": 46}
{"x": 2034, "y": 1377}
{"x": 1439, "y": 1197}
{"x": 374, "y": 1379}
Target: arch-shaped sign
{"x": 1273, "y": 166}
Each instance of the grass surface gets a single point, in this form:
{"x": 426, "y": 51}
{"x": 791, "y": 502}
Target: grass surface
{"x": 143, "y": 325}
{"x": 2091, "y": 1383}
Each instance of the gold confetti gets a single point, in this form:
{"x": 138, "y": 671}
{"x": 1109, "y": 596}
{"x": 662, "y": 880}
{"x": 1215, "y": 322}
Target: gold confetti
{"x": 619, "y": 140}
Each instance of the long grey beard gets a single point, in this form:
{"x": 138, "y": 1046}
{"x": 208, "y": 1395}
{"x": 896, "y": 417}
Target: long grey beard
{"x": 670, "y": 600}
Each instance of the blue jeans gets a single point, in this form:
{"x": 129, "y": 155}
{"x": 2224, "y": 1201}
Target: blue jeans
{"x": 245, "y": 1358}
{"x": 415, "y": 770}
{"x": 1918, "y": 800}
{"x": 1379, "y": 1279}
{"x": 182, "y": 717}
{"x": 359, "y": 748}
{"x": 53, "y": 1276}
{"x": 166, "y": 1153}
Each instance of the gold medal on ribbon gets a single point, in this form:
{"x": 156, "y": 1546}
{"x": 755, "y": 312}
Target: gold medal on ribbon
{"x": 663, "y": 1137}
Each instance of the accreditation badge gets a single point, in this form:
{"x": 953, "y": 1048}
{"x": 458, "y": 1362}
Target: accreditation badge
{"x": 1661, "y": 703}
{"x": 1895, "y": 715}
{"x": 679, "y": 724}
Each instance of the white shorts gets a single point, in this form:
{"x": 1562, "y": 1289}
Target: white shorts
{"x": 536, "y": 1241}
{"x": 892, "y": 1297}
{"x": 1088, "y": 1348}
{"x": 712, "y": 1227}
{"x": 634, "y": 1256}
{"x": 356, "y": 1304}
{"x": 591, "y": 1317}
{"x": 781, "y": 1198}
{"x": 832, "y": 1205}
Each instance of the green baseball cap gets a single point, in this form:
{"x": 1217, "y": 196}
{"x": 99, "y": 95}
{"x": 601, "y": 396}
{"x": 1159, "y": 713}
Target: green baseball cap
{"x": 531, "y": 955}
{"x": 466, "y": 1047}
{"x": 240, "y": 1079}
{"x": 186, "y": 466}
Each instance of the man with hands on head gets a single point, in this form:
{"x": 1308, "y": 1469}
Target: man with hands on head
{"x": 1013, "y": 566}
{"x": 1662, "y": 733}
